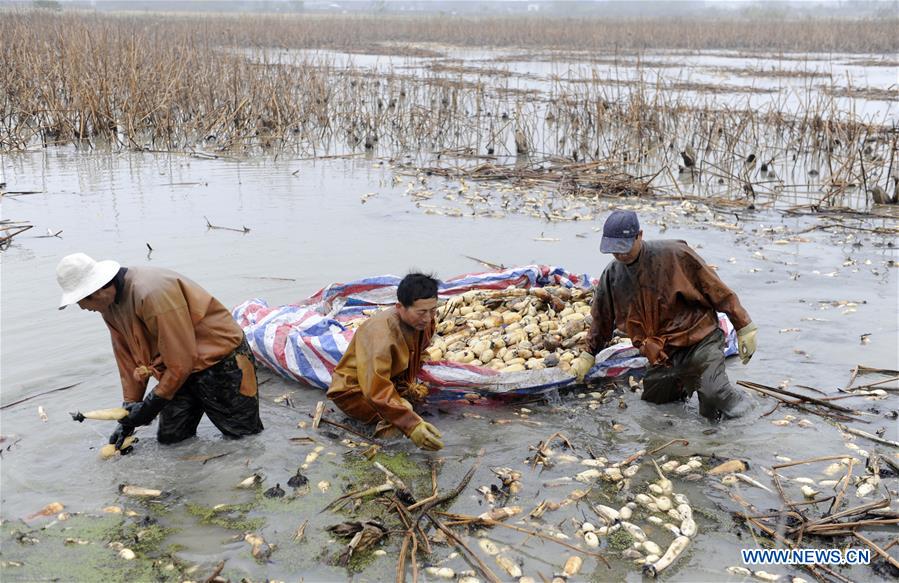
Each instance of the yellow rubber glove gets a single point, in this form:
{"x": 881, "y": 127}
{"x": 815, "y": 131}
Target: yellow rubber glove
{"x": 746, "y": 342}
{"x": 426, "y": 436}
{"x": 581, "y": 365}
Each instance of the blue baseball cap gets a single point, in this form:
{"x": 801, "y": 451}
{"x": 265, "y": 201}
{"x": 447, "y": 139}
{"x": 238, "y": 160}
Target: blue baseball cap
{"x": 619, "y": 232}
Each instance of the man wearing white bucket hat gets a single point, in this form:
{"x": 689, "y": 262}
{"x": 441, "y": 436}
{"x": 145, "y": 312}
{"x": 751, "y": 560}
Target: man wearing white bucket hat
{"x": 164, "y": 325}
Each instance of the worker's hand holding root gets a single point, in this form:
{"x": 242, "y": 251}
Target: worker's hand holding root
{"x": 746, "y": 341}
{"x": 426, "y": 436}
{"x": 142, "y": 413}
{"x": 121, "y": 433}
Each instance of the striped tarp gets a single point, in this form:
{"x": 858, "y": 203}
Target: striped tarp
{"x": 305, "y": 341}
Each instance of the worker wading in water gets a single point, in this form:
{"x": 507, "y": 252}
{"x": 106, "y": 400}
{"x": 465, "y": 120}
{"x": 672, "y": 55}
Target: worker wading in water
{"x": 376, "y": 380}
{"x": 664, "y": 297}
{"x": 166, "y": 326}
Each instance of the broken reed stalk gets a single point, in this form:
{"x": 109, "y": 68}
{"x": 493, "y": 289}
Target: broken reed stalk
{"x": 848, "y": 512}
{"x": 826, "y": 526}
{"x": 839, "y": 497}
{"x": 804, "y": 398}
{"x": 765, "y": 390}
{"x": 301, "y": 531}
{"x": 401, "y": 560}
{"x": 485, "y": 570}
{"x": 452, "y": 493}
{"x": 414, "y": 554}
{"x": 863, "y": 370}
{"x": 843, "y": 527}
{"x": 877, "y": 549}
{"x": 417, "y": 531}
{"x": 395, "y": 481}
{"x": 812, "y": 569}
{"x": 634, "y": 457}
{"x": 433, "y": 466}
{"x": 809, "y": 461}
{"x": 542, "y": 448}
{"x": 6, "y": 240}
{"x": 470, "y": 519}
{"x": 867, "y": 435}
{"x": 209, "y": 225}
{"x": 835, "y": 505}
{"x": 783, "y": 495}
{"x": 215, "y": 572}
{"x": 682, "y": 442}
{"x": 409, "y": 537}
{"x": 41, "y": 394}
{"x": 876, "y": 383}
{"x": 356, "y": 494}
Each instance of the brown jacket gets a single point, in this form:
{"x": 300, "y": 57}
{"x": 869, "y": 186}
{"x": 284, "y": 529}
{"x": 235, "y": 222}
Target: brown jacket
{"x": 164, "y": 321}
{"x": 384, "y": 353}
{"x": 667, "y": 297}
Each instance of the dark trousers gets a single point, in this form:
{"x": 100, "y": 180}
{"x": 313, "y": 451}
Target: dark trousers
{"x": 214, "y": 391}
{"x": 698, "y": 368}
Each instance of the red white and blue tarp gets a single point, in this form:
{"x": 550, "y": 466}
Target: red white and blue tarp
{"x": 305, "y": 341}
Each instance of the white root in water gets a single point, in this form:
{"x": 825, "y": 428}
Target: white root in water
{"x": 674, "y": 530}
{"x": 250, "y": 481}
{"x": 635, "y": 531}
{"x": 688, "y": 527}
{"x": 663, "y": 502}
{"x": 610, "y": 515}
{"x": 671, "y": 554}
{"x": 753, "y": 482}
{"x": 138, "y": 492}
{"x": 651, "y": 547}
{"x": 509, "y": 566}
{"x": 113, "y": 414}
{"x": 572, "y": 566}
{"x": 488, "y": 546}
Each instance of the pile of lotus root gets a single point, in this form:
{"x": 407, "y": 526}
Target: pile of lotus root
{"x": 515, "y": 329}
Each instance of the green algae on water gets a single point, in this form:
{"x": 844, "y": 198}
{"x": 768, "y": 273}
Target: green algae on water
{"x": 228, "y": 516}
{"x": 620, "y": 540}
{"x": 52, "y": 559}
{"x": 398, "y": 463}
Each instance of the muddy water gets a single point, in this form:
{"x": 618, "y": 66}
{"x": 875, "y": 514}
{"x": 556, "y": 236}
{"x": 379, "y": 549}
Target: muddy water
{"x": 308, "y": 227}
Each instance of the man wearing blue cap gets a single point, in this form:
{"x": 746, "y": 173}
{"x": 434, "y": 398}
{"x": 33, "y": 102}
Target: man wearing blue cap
{"x": 664, "y": 297}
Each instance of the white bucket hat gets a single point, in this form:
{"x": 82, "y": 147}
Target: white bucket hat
{"x": 79, "y": 276}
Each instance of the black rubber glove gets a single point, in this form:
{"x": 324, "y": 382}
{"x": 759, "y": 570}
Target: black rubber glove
{"x": 118, "y": 436}
{"x": 144, "y": 412}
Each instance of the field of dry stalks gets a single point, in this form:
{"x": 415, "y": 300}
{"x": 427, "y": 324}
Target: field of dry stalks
{"x": 219, "y": 83}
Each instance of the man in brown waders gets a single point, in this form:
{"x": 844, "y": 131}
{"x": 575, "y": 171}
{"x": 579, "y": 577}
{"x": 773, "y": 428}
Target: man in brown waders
{"x": 166, "y": 326}
{"x": 376, "y": 379}
{"x": 664, "y": 297}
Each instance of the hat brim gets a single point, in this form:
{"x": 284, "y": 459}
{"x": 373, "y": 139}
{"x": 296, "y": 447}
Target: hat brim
{"x": 100, "y": 275}
{"x": 616, "y": 245}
